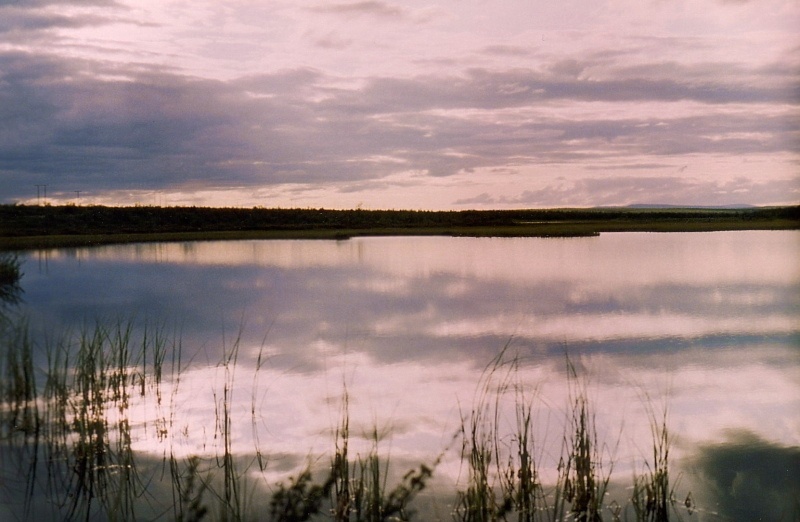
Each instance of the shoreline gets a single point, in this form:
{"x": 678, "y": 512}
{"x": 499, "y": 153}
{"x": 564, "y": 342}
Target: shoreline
{"x": 33, "y": 227}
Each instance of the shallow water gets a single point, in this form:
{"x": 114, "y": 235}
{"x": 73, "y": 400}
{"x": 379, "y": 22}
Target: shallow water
{"x": 704, "y": 324}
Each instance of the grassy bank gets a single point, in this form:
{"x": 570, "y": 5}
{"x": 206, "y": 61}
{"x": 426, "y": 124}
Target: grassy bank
{"x": 23, "y": 227}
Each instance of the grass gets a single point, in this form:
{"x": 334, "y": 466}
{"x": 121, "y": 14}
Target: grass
{"x": 10, "y": 269}
{"x": 504, "y": 461}
{"x": 66, "y": 427}
{"x": 653, "y": 494}
{"x": 353, "y": 489}
{"x": 10, "y": 289}
{"x": 492, "y": 486}
{"x": 583, "y": 481}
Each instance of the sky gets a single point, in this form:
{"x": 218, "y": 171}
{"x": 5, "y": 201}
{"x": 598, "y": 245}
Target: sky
{"x": 383, "y": 104}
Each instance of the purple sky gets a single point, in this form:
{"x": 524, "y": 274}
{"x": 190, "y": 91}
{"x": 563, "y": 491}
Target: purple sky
{"x": 444, "y": 104}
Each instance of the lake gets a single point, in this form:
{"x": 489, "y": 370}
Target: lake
{"x": 255, "y": 352}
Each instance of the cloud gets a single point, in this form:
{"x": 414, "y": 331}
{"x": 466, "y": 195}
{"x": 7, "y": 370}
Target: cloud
{"x": 488, "y": 89}
{"x": 645, "y": 189}
{"x": 78, "y": 130}
{"x": 12, "y": 20}
{"x": 85, "y": 124}
{"x": 332, "y": 40}
{"x": 42, "y": 3}
{"x": 368, "y": 7}
{"x": 41, "y": 14}
{"x": 502, "y": 105}
{"x": 506, "y": 50}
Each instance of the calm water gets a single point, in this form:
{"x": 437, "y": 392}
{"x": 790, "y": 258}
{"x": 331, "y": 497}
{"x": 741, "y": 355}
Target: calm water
{"x": 706, "y": 324}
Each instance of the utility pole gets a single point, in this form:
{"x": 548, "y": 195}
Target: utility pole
{"x": 78, "y": 197}
{"x": 38, "y": 194}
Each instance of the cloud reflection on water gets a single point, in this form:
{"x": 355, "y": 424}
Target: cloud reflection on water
{"x": 709, "y": 322}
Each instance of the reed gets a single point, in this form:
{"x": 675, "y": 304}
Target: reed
{"x": 501, "y": 456}
{"x": 521, "y": 476}
{"x": 355, "y": 489}
{"x": 19, "y": 389}
{"x": 583, "y": 481}
{"x": 188, "y": 487}
{"x": 10, "y": 289}
{"x": 339, "y": 479}
{"x": 20, "y": 412}
{"x": 80, "y": 417}
{"x": 479, "y": 501}
{"x": 504, "y": 460}
{"x": 10, "y": 269}
{"x": 234, "y": 500}
{"x": 372, "y": 502}
{"x": 298, "y": 500}
{"x": 653, "y": 496}
{"x": 67, "y": 426}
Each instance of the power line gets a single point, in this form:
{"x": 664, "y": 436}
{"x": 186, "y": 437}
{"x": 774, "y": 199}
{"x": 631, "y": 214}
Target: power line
{"x": 38, "y": 194}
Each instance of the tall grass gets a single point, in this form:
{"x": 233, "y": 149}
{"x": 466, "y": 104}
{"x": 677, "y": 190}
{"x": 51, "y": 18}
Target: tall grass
{"x": 19, "y": 407}
{"x": 504, "y": 460}
{"x": 10, "y": 289}
{"x": 190, "y": 487}
{"x": 501, "y": 455}
{"x": 583, "y": 479}
{"x": 354, "y": 489}
{"x": 481, "y": 500}
{"x": 79, "y": 413}
{"x": 10, "y": 269}
{"x": 653, "y": 496}
{"x": 231, "y": 505}
{"x": 521, "y": 481}
{"x": 66, "y": 426}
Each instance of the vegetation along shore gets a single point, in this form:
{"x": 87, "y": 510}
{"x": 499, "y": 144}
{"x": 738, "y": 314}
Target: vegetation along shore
{"x": 69, "y": 431}
{"x": 36, "y": 226}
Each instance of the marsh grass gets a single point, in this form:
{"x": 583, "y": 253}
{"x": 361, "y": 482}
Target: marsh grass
{"x": 232, "y": 499}
{"x": 504, "y": 459}
{"x": 521, "y": 482}
{"x": 585, "y": 470}
{"x": 67, "y": 428}
{"x": 20, "y": 411}
{"x": 299, "y": 499}
{"x": 190, "y": 487}
{"x": 71, "y": 430}
{"x": 95, "y": 436}
{"x": 10, "y": 269}
{"x": 372, "y": 501}
{"x": 654, "y": 496}
{"x": 76, "y": 419}
{"x": 10, "y": 289}
{"x": 480, "y": 450}
{"x": 355, "y": 489}
{"x": 501, "y": 458}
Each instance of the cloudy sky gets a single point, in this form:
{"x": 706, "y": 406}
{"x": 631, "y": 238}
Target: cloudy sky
{"x": 443, "y": 104}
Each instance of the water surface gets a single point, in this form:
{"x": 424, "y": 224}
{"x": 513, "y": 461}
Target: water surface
{"x": 705, "y": 324}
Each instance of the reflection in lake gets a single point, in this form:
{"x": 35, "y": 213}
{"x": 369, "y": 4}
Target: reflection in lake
{"x": 705, "y": 325}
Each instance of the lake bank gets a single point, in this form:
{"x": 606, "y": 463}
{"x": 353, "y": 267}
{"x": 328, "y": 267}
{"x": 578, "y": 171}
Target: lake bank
{"x": 26, "y": 227}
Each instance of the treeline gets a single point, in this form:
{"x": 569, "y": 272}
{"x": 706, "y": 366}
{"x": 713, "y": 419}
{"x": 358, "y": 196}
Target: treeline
{"x": 28, "y": 220}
